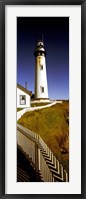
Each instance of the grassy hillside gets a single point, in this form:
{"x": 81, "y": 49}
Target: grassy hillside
{"x": 19, "y": 109}
{"x": 39, "y": 104}
{"x": 52, "y": 125}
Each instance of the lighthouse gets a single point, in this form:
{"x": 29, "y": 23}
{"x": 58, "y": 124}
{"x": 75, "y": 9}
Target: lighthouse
{"x": 41, "y": 86}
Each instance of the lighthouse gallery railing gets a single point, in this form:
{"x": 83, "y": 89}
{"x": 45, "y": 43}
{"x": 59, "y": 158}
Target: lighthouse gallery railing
{"x": 43, "y": 160}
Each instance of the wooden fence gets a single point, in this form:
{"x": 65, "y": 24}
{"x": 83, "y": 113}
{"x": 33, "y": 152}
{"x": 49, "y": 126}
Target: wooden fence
{"x": 41, "y": 157}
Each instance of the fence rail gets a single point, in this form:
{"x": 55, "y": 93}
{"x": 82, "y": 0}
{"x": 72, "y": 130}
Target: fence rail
{"x": 43, "y": 160}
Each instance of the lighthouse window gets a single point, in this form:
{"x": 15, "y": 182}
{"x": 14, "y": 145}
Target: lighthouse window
{"x": 22, "y": 99}
{"x": 41, "y": 67}
{"x": 42, "y": 89}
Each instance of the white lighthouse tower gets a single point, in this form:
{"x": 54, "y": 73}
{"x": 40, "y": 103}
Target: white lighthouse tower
{"x": 41, "y": 87}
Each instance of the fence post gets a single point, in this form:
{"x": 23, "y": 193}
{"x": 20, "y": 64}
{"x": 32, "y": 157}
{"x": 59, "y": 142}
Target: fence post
{"x": 36, "y": 158}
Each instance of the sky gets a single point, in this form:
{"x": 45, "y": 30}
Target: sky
{"x": 55, "y": 31}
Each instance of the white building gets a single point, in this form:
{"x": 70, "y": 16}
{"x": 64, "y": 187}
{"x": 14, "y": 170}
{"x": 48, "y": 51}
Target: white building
{"x": 23, "y": 97}
{"x": 41, "y": 87}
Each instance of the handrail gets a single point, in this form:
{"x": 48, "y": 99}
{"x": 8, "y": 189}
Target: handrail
{"x": 41, "y": 156}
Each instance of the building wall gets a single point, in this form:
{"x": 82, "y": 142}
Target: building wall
{"x": 20, "y": 104}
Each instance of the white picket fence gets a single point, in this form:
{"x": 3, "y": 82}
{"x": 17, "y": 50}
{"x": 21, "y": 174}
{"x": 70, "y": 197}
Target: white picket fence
{"x": 43, "y": 160}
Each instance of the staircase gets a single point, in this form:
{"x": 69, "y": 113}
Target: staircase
{"x": 25, "y": 172}
{"x": 46, "y": 167}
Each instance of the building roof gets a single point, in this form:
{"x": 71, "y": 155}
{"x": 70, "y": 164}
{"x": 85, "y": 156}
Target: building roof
{"x": 24, "y": 89}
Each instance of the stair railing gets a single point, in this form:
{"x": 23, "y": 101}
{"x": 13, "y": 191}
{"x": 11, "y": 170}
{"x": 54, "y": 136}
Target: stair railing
{"x": 41, "y": 157}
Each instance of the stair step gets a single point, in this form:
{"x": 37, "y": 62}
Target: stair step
{"x": 25, "y": 171}
{"x": 22, "y": 173}
{"x": 24, "y": 178}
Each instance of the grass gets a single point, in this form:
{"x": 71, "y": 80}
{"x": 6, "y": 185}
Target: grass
{"x": 52, "y": 124}
{"x": 39, "y": 104}
{"x": 19, "y": 109}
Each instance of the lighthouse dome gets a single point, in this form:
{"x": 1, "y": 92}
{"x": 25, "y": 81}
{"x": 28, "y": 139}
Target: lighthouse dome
{"x": 39, "y": 43}
{"x": 39, "y": 48}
